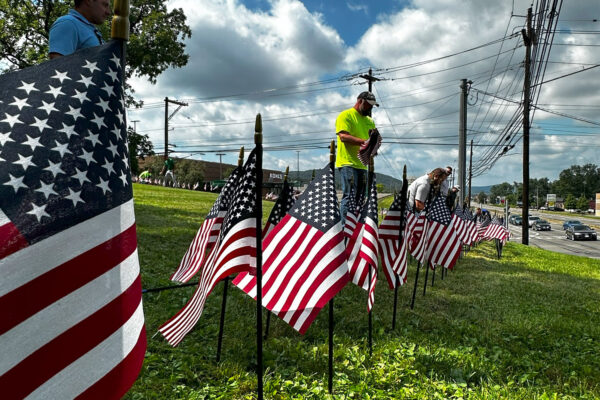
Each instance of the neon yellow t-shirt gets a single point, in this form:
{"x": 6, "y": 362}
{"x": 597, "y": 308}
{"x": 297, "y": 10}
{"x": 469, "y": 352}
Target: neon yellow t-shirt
{"x": 357, "y": 125}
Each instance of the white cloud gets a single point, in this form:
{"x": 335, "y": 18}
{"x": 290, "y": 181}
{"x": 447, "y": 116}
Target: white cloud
{"x": 237, "y": 50}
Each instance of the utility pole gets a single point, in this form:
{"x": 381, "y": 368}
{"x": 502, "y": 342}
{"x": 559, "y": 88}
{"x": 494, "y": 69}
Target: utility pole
{"x": 220, "y": 165}
{"x": 462, "y": 142}
{"x": 370, "y": 79}
{"x": 167, "y": 118}
{"x": 470, "y": 172}
{"x": 298, "y": 168}
{"x": 528, "y": 39}
{"x": 135, "y": 125}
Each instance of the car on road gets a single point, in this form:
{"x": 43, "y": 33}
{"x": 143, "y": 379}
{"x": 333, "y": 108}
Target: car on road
{"x": 515, "y": 219}
{"x": 571, "y": 222}
{"x": 532, "y": 219}
{"x": 541, "y": 225}
{"x": 581, "y": 232}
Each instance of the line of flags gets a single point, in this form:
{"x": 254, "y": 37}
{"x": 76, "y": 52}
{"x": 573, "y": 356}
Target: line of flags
{"x": 308, "y": 255}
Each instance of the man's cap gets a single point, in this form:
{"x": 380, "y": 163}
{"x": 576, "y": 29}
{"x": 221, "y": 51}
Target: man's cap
{"x": 369, "y": 97}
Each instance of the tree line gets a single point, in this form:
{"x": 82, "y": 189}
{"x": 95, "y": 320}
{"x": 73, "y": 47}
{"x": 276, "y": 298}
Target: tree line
{"x": 576, "y": 185}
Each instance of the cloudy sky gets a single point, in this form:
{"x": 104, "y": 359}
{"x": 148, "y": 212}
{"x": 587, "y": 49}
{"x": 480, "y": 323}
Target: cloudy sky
{"x": 298, "y": 63}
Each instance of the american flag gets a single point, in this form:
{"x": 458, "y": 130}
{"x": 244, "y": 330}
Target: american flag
{"x": 465, "y": 229}
{"x": 495, "y": 230}
{"x": 415, "y": 233}
{"x": 362, "y": 247}
{"x": 285, "y": 201}
{"x": 482, "y": 226}
{"x": 235, "y": 251}
{"x": 392, "y": 245}
{"x": 208, "y": 233}
{"x": 304, "y": 260}
{"x": 443, "y": 246}
{"x": 353, "y": 214}
{"x": 70, "y": 292}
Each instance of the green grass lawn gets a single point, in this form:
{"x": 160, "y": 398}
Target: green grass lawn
{"x": 523, "y": 327}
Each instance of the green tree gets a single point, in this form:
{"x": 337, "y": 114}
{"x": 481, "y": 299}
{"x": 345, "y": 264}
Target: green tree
{"x": 502, "y": 190}
{"x": 582, "y": 203}
{"x": 481, "y": 197}
{"x": 139, "y": 146}
{"x": 156, "y": 39}
{"x": 578, "y": 179}
{"x": 189, "y": 171}
{"x": 570, "y": 202}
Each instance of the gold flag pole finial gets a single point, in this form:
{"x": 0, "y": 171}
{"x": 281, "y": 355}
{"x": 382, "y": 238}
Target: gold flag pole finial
{"x": 120, "y": 20}
{"x": 241, "y": 157}
{"x": 372, "y": 164}
{"x": 258, "y": 129}
{"x": 287, "y": 171}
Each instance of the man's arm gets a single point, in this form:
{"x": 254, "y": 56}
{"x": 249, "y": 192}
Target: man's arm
{"x": 346, "y": 137}
{"x": 62, "y": 39}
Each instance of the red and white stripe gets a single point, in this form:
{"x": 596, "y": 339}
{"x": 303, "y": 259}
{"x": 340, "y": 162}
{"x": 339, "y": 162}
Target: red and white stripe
{"x": 303, "y": 269}
{"x": 495, "y": 231}
{"x": 73, "y": 324}
{"x": 416, "y": 235}
{"x": 465, "y": 230}
{"x": 389, "y": 243}
{"x": 204, "y": 241}
{"x": 350, "y": 224}
{"x": 443, "y": 245}
{"x": 235, "y": 253}
{"x": 362, "y": 257}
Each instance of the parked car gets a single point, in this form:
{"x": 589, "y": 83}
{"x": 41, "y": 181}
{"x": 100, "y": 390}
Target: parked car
{"x": 515, "y": 219}
{"x": 541, "y": 225}
{"x": 532, "y": 219}
{"x": 569, "y": 223}
{"x": 581, "y": 232}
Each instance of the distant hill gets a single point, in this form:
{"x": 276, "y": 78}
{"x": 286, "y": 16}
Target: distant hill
{"x": 475, "y": 190}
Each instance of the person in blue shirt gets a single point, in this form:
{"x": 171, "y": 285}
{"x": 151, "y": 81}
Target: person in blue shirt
{"x": 77, "y": 30}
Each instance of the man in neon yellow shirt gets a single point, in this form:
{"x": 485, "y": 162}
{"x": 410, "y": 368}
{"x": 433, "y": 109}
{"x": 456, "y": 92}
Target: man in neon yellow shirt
{"x": 352, "y": 129}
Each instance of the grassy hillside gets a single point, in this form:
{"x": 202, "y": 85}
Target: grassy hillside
{"x": 523, "y": 327}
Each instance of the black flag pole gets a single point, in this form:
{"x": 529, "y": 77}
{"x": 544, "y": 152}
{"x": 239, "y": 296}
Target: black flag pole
{"x": 412, "y": 302}
{"x": 259, "y": 323}
{"x": 330, "y": 378}
{"x": 268, "y": 324}
{"x": 226, "y": 286}
{"x": 433, "y": 276}
{"x": 426, "y": 264}
{"x": 403, "y": 192}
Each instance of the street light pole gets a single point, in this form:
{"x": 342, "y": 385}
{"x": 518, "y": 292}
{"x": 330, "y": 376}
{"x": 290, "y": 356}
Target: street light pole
{"x": 220, "y": 165}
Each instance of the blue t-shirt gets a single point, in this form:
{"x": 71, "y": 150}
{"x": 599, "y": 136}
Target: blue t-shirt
{"x": 72, "y": 32}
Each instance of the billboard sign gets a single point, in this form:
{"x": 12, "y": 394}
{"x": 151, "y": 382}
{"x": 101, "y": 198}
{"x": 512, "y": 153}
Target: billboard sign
{"x": 551, "y": 200}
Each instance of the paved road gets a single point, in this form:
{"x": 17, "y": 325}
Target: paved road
{"x": 555, "y": 240}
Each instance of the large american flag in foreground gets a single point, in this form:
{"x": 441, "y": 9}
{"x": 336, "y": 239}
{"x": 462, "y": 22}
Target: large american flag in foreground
{"x": 443, "y": 245}
{"x": 285, "y": 201}
{"x": 207, "y": 233}
{"x": 392, "y": 245}
{"x": 70, "y": 292}
{"x": 362, "y": 247}
{"x": 304, "y": 263}
{"x": 235, "y": 251}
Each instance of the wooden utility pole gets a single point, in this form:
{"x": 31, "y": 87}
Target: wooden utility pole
{"x": 167, "y": 118}
{"x": 528, "y": 39}
{"x": 470, "y": 173}
{"x": 462, "y": 142}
